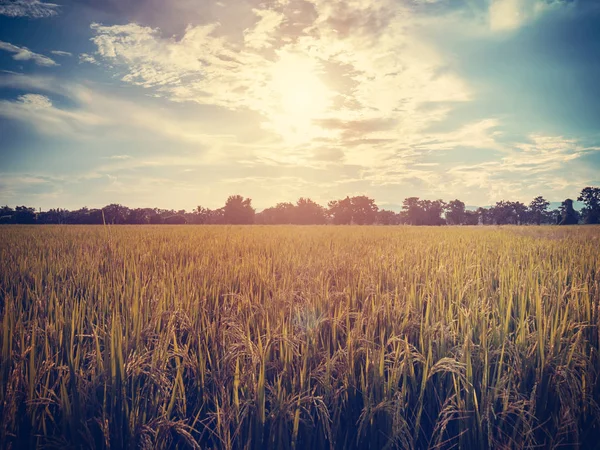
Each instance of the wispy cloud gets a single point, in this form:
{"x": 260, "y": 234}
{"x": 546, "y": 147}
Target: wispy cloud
{"x": 87, "y": 58}
{"x": 351, "y": 75}
{"x": 313, "y": 97}
{"x": 61, "y": 53}
{"x": 507, "y": 15}
{"x": 28, "y": 8}
{"x": 24, "y": 54}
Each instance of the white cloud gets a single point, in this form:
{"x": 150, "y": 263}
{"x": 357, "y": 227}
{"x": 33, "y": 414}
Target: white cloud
{"x": 262, "y": 35}
{"x": 99, "y": 113}
{"x": 35, "y": 101}
{"x": 528, "y": 169}
{"x": 24, "y": 54}
{"x": 87, "y": 58}
{"x": 28, "y": 8}
{"x": 61, "y": 53}
{"x": 39, "y": 111}
{"x": 357, "y": 61}
{"x": 340, "y": 98}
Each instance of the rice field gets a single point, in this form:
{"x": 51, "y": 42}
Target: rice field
{"x": 224, "y": 337}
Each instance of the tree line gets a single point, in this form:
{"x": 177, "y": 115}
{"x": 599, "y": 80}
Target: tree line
{"x": 357, "y": 210}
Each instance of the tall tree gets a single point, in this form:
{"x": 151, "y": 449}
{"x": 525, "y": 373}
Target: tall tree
{"x": 432, "y": 211}
{"x": 591, "y": 197}
{"x": 455, "y": 212}
{"x": 568, "y": 214}
{"x": 412, "y": 213}
{"x": 538, "y": 208}
{"x": 308, "y": 212}
{"x": 364, "y": 210}
{"x": 115, "y": 213}
{"x": 282, "y": 213}
{"x": 423, "y": 212}
{"x": 341, "y": 211}
{"x": 24, "y": 214}
{"x": 387, "y": 217}
{"x": 508, "y": 213}
{"x": 471, "y": 218}
{"x": 238, "y": 210}
{"x": 521, "y": 212}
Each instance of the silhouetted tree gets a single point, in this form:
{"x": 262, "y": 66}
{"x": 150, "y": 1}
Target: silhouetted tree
{"x": 591, "y": 197}
{"x": 308, "y": 212}
{"x": 553, "y": 217}
{"x": 387, "y": 217}
{"x": 486, "y": 215}
{"x": 358, "y": 210}
{"x": 521, "y": 211}
{"x": 538, "y": 208}
{"x": 423, "y": 212}
{"x": 471, "y": 218}
{"x": 432, "y": 211}
{"x": 238, "y": 210}
{"x": 568, "y": 214}
{"x": 455, "y": 212}
{"x": 282, "y": 213}
{"x": 6, "y": 214}
{"x": 176, "y": 219}
{"x": 411, "y": 211}
{"x": 341, "y": 211}
{"x": 53, "y": 216}
{"x": 24, "y": 215}
{"x": 115, "y": 213}
{"x": 364, "y": 210}
{"x": 506, "y": 212}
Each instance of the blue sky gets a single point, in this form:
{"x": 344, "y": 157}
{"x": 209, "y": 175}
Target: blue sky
{"x": 182, "y": 103}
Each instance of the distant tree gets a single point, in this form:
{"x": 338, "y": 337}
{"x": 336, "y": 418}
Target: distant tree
{"x": 202, "y": 215}
{"x": 6, "y": 214}
{"x": 455, "y": 212}
{"x": 53, "y": 216}
{"x": 282, "y": 213}
{"x": 509, "y": 213}
{"x": 471, "y": 218}
{"x": 432, "y": 211}
{"x": 341, "y": 211}
{"x": 485, "y": 215}
{"x": 552, "y": 217}
{"x": 521, "y": 212}
{"x": 423, "y": 212}
{"x": 138, "y": 216}
{"x": 538, "y": 208}
{"x": 156, "y": 218}
{"x": 591, "y": 197}
{"x": 24, "y": 215}
{"x": 364, "y": 210}
{"x": 238, "y": 210}
{"x": 568, "y": 214}
{"x": 387, "y": 217}
{"x": 115, "y": 213}
{"x": 308, "y": 212}
{"x": 176, "y": 219}
{"x": 411, "y": 211}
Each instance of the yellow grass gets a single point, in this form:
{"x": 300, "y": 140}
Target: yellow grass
{"x": 299, "y": 337}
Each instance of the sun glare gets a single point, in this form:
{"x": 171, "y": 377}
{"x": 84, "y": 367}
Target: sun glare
{"x": 299, "y": 95}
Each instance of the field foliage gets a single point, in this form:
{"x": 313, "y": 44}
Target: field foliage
{"x": 299, "y": 337}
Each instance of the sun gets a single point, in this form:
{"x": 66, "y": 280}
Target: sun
{"x": 299, "y": 97}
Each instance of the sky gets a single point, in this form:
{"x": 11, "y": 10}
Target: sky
{"x": 180, "y": 103}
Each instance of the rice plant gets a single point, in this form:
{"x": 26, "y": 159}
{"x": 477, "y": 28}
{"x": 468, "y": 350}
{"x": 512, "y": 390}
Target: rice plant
{"x": 224, "y": 337}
